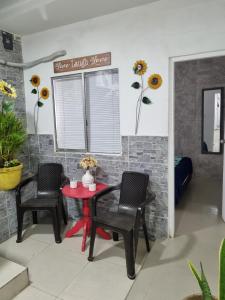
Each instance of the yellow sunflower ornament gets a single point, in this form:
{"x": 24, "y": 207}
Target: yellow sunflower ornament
{"x": 140, "y": 67}
{"x": 35, "y": 80}
{"x": 154, "y": 82}
{"x": 42, "y": 94}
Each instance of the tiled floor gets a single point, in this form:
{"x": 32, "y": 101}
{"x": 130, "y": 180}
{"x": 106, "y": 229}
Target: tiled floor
{"x": 200, "y": 206}
{"x": 199, "y": 229}
{"x": 62, "y": 271}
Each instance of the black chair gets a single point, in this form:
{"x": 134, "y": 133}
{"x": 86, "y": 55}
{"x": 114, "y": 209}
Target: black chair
{"x": 49, "y": 180}
{"x": 128, "y": 218}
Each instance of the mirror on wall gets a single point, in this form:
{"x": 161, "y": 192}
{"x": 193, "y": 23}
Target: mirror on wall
{"x": 212, "y": 121}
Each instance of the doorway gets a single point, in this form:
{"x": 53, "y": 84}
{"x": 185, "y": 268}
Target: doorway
{"x": 194, "y": 67}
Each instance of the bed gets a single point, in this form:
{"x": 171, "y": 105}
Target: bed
{"x": 183, "y": 175}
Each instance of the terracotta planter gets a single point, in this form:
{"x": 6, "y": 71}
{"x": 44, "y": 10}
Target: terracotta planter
{"x": 196, "y": 297}
{"x": 10, "y": 177}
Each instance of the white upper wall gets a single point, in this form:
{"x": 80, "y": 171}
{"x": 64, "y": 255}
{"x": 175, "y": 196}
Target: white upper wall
{"x": 153, "y": 32}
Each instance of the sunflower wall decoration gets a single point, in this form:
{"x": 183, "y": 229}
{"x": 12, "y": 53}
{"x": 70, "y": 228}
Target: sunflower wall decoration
{"x": 9, "y": 95}
{"x": 42, "y": 94}
{"x": 154, "y": 82}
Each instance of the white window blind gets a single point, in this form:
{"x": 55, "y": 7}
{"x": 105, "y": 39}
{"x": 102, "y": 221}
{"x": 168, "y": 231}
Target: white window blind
{"x": 69, "y": 112}
{"x": 102, "y": 109}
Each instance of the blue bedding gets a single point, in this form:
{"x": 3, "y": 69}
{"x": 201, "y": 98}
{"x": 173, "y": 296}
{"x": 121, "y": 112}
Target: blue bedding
{"x": 183, "y": 174}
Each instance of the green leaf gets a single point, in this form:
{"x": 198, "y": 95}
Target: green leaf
{"x": 146, "y": 100}
{"x": 136, "y": 85}
{"x": 12, "y": 136}
{"x": 34, "y": 91}
{"x": 40, "y": 104}
{"x": 135, "y": 70}
{"x": 206, "y": 289}
{"x": 195, "y": 273}
{"x": 7, "y": 106}
{"x": 222, "y": 271}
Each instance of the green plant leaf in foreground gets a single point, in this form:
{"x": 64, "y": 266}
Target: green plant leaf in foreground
{"x": 206, "y": 289}
{"x": 222, "y": 271}
{"x": 202, "y": 282}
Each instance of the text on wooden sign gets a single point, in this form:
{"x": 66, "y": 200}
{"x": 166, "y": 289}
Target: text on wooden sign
{"x": 81, "y": 63}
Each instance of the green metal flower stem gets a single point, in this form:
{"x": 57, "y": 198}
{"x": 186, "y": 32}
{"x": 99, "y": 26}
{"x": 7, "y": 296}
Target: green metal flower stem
{"x": 138, "y": 105}
{"x": 36, "y": 113}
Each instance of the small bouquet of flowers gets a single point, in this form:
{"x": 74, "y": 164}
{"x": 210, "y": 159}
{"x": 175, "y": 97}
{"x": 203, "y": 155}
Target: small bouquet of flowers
{"x": 88, "y": 162}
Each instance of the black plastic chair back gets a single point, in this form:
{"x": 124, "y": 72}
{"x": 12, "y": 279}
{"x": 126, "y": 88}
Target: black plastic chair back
{"x": 49, "y": 179}
{"x": 132, "y": 191}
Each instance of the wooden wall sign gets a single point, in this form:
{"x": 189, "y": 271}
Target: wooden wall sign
{"x": 81, "y": 63}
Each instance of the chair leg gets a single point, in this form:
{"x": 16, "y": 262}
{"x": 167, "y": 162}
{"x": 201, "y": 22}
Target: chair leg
{"x": 146, "y": 236}
{"x": 92, "y": 242}
{"x": 34, "y": 215}
{"x": 20, "y": 214}
{"x": 56, "y": 225}
{"x": 64, "y": 213}
{"x": 129, "y": 251}
{"x": 115, "y": 236}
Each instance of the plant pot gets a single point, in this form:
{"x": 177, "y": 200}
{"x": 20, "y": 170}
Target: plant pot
{"x": 10, "y": 177}
{"x": 87, "y": 179}
{"x": 197, "y": 297}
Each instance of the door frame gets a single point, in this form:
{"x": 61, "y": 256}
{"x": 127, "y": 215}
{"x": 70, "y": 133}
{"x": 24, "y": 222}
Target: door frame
{"x": 171, "y": 138}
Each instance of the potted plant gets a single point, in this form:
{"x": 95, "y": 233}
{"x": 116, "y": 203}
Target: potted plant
{"x": 203, "y": 283}
{"x": 12, "y": 137}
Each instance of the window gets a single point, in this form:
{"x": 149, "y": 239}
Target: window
{"x": 87, "y": 112}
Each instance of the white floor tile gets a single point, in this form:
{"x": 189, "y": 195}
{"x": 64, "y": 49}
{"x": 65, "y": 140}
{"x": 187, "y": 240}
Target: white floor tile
{"x": 31, "y": 293}
{"x": 23, "y": 252}
{"x": 55, "y": 268}
{"x": 115, "y": 253}
{"x": 99, "y": 280}
{"x": 165, "y": 273}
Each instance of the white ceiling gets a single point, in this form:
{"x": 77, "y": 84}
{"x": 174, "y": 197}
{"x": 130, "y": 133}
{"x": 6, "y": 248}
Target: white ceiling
{"x": 29, "y": 16}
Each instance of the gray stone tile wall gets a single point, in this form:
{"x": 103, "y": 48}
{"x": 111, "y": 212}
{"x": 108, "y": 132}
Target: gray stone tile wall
{"x": 143, "y": 154}
{"x": 8, "y": 220}
{"x": 190, "y": 78}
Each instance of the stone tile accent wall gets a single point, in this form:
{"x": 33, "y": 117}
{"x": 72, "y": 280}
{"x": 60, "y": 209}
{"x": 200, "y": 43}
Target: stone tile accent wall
{"x": 190, "y": 78}
{"x": 15, "y": 77}
{"x": 143, "y": 154}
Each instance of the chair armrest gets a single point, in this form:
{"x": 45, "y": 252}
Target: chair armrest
{"x": 23, "y": 183}
{"x": 100, "y": 194}
{"x": 147, "y": 201}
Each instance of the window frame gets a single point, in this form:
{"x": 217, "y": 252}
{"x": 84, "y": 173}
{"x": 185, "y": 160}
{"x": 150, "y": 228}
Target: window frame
{"x": 85, "y": 103}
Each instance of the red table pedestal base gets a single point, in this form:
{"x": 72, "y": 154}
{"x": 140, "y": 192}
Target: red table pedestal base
{"x": 85, "y": 223}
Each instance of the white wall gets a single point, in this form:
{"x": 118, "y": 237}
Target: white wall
{"x": 152, "y": 32}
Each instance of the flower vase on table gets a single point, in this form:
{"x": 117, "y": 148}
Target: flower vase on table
{"x": 87, "y": 163}
{"x": 87, "y": 179}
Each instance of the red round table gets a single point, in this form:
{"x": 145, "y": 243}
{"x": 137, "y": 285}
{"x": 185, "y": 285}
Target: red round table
{"x": 85, "y": 222}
